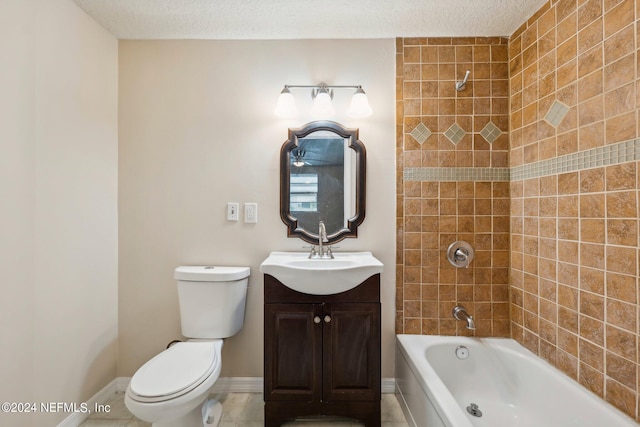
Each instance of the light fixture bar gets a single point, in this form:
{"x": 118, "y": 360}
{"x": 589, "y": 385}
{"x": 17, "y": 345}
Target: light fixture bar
{"x": 322, "y": 95}
{"x": 321, "y": 86}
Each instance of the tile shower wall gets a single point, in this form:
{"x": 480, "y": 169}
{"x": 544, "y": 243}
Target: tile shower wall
{"x": 453, "y": 183}
{"x": 574, "y": 192}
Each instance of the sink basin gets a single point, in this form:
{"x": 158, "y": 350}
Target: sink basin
{"x": 321, "y": 276}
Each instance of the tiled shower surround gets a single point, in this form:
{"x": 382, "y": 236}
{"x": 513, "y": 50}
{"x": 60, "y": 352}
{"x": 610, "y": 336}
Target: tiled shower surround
{"x": 571, "y": 159}
{"x": 453, "y": 183}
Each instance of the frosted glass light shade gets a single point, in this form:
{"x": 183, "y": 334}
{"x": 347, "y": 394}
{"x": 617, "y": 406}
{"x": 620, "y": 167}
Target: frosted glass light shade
{"x": 286, "y": 106}
{"x": 322, "y": 105}
{"x": 359, "y": 107}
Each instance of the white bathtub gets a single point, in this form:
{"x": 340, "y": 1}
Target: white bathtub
{"x": 511, "y": 386}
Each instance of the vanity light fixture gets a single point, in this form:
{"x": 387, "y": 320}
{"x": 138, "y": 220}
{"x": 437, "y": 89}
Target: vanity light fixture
{"x": 322, "y": 95}
{"x": 322, "y": 105}
{"x": 359, "y": 107}
{"x": 286, "y": 106}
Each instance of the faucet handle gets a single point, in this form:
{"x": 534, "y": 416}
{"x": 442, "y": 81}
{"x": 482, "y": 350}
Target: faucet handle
{"x": 313, "y": 252}
{"x": 330, "y": 252}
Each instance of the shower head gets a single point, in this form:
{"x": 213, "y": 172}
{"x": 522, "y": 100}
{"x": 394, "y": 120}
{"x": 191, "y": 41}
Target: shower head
{"x": 461, "y": 85}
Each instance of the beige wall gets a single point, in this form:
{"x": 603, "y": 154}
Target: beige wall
{"x": 197, "y": 130}
{"x": 59, "y": 215}
{"x": 17, "y": 109}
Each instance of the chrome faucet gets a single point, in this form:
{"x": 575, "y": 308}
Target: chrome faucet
{"x": 322, "y": 238}
{"x": 460, "y": 313}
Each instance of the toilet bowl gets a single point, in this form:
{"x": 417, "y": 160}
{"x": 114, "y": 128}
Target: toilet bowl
{"x": 172, "y": 388}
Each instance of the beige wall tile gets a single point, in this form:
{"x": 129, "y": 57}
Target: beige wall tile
{"x": 435, "y": 214}
{"x": 587, "y": 58}
{"x": 565, "y": 246}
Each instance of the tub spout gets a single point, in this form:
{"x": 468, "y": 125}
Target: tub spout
{"x": 460, "y": 313}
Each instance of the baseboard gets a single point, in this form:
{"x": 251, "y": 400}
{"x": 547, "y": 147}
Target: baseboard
{"x": 223, "y": 385}
{"x": 75, "y": 419}
{"x": 239, "y": 385}
{"x": 122, "y": 383}
{"x": 388, "y": 385}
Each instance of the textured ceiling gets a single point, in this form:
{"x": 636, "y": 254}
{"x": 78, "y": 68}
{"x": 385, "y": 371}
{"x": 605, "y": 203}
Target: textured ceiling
{"x": 308, "y": 19}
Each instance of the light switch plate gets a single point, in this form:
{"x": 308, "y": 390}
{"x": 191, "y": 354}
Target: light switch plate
{"x": 232, "y": 211}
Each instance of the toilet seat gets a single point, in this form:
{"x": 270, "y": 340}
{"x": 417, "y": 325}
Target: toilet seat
{"x": 175, "y": 371}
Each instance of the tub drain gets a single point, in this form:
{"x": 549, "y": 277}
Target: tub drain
{"x": 474, "y": 410}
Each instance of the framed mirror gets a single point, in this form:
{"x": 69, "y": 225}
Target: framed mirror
{"x": 322, "y": 178}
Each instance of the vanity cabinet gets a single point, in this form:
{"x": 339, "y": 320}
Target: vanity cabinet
{"x": 322, "y": 353}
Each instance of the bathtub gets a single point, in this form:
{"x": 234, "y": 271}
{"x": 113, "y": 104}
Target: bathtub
{"x": 438, "y": 377}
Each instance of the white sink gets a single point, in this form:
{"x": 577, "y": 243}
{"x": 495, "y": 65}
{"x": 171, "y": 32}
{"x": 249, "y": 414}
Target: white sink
{"x": 321, "y": 276}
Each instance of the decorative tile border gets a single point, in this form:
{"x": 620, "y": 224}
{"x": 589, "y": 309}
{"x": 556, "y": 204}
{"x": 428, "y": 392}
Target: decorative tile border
{"x": 613, "y": 154}
{"x": 456, "y": 174}
{"x": 622, "y": 152}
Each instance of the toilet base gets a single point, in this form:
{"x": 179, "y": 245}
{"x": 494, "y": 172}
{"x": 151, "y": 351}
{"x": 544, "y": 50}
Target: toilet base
{"x": 195, "y": 418}
{"x": 211, "y": 413}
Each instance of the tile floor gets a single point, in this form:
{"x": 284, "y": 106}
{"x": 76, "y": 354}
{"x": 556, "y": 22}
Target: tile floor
{"x": 242, "y": 410}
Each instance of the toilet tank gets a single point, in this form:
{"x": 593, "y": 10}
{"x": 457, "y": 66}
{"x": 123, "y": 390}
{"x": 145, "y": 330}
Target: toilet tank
{"x": 212, "y": 300}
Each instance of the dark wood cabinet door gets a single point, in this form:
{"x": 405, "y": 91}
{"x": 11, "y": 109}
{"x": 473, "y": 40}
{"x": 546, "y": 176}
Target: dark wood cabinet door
{"x": 351, "y": 365}
{"x": 293, "y": 352}
{"x": 322, "y": 353}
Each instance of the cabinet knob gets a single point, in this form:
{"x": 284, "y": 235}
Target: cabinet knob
{"x": 316, "y": 319}
{"x": 327, "y": 318}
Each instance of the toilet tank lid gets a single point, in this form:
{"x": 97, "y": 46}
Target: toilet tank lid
{"x": 210, "y": 273}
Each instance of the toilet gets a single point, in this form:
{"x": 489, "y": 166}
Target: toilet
{"x": 172, "y": 388}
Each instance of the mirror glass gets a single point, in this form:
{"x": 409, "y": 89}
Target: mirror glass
{"x": 322, "y": 168}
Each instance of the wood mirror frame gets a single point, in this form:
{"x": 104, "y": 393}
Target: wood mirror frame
{"x": 304, "y": 141}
